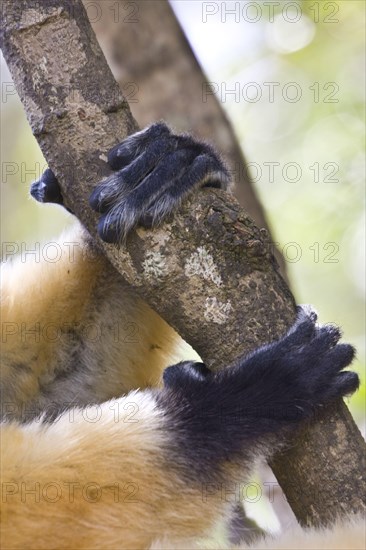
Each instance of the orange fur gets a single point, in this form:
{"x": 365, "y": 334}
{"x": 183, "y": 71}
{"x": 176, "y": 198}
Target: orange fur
{"x": 81, "y": 294}
{"x": 96, "y": 484}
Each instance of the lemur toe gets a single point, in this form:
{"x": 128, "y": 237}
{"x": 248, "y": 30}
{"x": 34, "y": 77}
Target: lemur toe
{"x": 346, "y": 383}
{"x": 326, "y": 337}
{"x": 340, "y": 356}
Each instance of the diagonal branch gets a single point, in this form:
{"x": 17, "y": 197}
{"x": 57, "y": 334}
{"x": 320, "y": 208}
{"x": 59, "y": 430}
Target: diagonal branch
{"x": 209, "y": 272}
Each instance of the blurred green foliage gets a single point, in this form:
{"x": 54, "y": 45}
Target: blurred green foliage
{"x": 315, "y": 199}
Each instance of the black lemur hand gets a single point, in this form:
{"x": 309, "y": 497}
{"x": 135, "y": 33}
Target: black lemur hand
{"x": 155, "y": 170}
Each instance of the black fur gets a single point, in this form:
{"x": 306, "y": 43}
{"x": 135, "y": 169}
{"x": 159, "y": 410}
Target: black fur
{"x": 241, "y": 409}
{"x": 185, "y": 373}
{"x": 154, "y": 170}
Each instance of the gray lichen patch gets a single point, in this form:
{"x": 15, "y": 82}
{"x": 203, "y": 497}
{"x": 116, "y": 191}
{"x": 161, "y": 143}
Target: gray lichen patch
{"x": 217, "y": 312}
{"x": 155, "y": 266}
{"x": 201, "y": 263}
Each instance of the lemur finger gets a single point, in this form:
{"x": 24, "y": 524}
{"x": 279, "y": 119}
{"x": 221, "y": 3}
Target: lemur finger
{"x": 340, "y": 356}
{"x": 204, "y": 172}
{"x": 128, "y": 212}
{"x": 303, "y": 333}
{"x": 306, "y": 319}
{"x": 125, "y": 152}
{"x": 306, "y": 311}
{"x": 343, "y": 384}
{"x": 326, "y": 373}
{"x": 47, "y": 188}
{"x": 346, "y": 383}
{"x": 109, "y": 229}
{"x": 117, "y": 187}
{"x": 303, "y": 330}
{"x": 327, "y": 336}
{"x": 314, "y": 358}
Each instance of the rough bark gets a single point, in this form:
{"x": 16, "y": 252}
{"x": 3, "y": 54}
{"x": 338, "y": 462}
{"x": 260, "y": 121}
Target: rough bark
{"x": 209, "y": 271}
{"x": 319, "y": 468}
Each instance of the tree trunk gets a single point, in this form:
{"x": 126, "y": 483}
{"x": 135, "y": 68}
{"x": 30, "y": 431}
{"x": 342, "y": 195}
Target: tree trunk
{"x": 209, "y": 271}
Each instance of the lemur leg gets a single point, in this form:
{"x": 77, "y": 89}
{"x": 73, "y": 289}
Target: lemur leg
{"x": 160, "y": 463}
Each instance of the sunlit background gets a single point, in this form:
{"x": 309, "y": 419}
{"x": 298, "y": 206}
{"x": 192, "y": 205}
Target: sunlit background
{"x": 291, "y": 79}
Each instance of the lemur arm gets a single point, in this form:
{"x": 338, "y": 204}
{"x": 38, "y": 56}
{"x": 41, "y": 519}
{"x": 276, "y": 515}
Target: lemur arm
{"x": 49, "y": 309}
{"x": 161, "y": 463}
